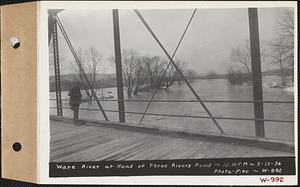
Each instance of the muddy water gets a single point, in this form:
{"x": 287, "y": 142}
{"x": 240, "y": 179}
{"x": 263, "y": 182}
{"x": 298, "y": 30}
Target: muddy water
{"x": 218, "y": 89}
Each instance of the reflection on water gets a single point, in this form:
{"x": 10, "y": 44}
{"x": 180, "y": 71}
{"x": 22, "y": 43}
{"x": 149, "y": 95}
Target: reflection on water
{"x": 218, "y": 89}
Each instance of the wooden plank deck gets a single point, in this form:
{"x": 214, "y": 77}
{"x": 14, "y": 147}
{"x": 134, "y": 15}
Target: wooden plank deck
{"x": 70, "y": 143}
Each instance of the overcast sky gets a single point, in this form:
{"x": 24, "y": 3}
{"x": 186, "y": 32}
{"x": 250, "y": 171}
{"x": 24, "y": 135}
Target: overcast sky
{"x": 206, "y": 46}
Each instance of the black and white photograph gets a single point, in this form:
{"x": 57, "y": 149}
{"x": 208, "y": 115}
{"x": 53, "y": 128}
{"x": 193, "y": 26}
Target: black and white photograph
{"x": 171, "y": 89}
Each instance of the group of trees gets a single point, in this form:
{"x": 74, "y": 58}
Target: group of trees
{"x": 140, "y": 73}
{"x": 279, "y": 51}
{"x": 145, "y": 73}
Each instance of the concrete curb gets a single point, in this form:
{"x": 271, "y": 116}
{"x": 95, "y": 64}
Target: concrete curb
{"x": 264, "y": 143}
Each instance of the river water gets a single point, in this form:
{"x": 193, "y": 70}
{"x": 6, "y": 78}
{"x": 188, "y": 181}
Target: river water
{"x": 216, "y": 89}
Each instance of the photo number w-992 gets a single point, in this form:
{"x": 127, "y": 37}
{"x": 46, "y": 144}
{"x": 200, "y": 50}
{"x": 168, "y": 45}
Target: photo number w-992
{"x": 271, "y": 179}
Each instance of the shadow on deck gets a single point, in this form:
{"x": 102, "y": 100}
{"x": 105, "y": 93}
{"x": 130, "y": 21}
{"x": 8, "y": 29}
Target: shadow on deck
{"x": 101, "y": 140}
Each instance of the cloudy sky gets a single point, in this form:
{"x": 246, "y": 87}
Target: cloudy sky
{"x": 206, "y": 46}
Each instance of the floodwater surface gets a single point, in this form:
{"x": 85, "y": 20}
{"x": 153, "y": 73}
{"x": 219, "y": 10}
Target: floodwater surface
{"x": 216, "y": 89}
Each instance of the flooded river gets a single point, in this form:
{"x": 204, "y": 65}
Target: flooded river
{"x": 217, "y": 89}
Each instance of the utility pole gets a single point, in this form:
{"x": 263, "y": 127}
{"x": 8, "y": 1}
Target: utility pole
{"x": 256, "y": 72}
{"x": 118, "y": 62}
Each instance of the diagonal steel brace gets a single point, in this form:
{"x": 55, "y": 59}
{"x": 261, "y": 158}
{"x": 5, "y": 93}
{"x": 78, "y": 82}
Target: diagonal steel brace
{"x": 80, "y": 67}
{"x": 176, "y": 67}
{"x": 169, "y": 64}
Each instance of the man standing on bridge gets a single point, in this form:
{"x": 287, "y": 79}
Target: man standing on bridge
{"x": 75, "y": 101}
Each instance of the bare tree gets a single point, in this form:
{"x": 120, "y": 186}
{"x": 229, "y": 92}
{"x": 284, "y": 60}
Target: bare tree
{"x": 82, "y": 56}
{"x": 129, "y": 60}
{"x": 140, "y": 73}
{"x": 241, "y": 56}
{"x": 93, "y": 65}
{"x": 281, "y": 56}
{"x": 154, "y": 67}
{"x": 285, "y": 34}
{"x": 282, "y": 47}
{"x": 130, "y": 70}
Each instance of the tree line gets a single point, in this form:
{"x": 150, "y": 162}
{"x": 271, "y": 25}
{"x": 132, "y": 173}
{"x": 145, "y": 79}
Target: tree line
{"x": 280, "y": 51}
{"x": 140, "y": 72}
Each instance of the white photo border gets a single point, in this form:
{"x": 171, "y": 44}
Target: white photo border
{"x": 43, "y": 130}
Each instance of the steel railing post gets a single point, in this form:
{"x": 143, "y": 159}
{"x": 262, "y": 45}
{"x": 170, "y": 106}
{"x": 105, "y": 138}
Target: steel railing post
{"x": 256, "y": 71}
{"x": 118, "y": 65}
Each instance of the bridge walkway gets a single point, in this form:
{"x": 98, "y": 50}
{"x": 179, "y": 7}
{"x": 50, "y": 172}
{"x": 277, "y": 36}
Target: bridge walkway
{"x": 96, "y": 143}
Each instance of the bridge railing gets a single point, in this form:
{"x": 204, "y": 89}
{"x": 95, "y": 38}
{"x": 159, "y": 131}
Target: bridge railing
{"x": 189, "y": 101}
